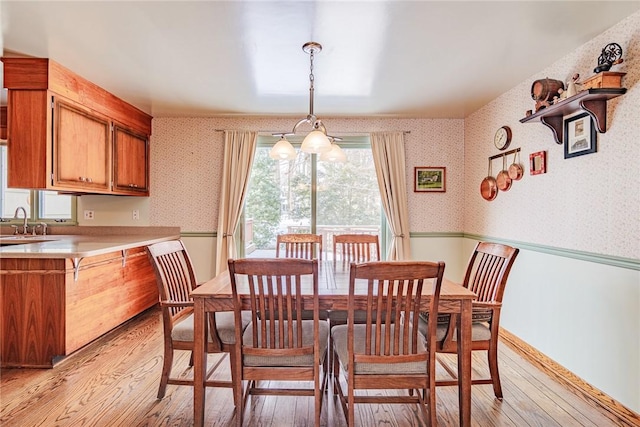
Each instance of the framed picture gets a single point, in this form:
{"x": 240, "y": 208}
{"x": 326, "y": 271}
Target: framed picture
{"x": 538, "y": 163}
{"x": 430, "y": 179}
{"x": 579, "y": 136}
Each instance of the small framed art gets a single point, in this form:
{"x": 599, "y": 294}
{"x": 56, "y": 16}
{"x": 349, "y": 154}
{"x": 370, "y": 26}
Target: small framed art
{"x": 538, "y": 163}
{"x": 429, "y": 179}
{"x": 579, "y": 136}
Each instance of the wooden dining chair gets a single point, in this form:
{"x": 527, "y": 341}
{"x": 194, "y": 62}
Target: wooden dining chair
{"x": 350, "y": 248}
{"x": 306, "y": 246}
{"x": 176, "y": 279}
{"x": 386, "y": 351}
{"x": 486, "y": 275}
{"x": 279, "y": 344}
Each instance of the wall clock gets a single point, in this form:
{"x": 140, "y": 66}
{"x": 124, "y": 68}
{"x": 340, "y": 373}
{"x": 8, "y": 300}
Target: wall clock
{"x": 502, "y": 138}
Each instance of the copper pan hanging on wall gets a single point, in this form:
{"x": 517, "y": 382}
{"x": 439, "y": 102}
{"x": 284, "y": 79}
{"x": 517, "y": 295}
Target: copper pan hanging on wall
{"x": 515, "y": 170}
{"x": 503, "y": 180}
{"x": 488, "y": 186}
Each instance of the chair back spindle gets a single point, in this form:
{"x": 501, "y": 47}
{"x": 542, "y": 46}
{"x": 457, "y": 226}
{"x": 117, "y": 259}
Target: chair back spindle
{"x": 488, "y": 270}
{"x": 355, "y": 248}
{"x": 394, "y": 295}
{"x": 305, "y": 246}
{"x": 175, "y": 278}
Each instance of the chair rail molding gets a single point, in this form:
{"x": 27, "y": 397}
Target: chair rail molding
{"x": 628, "y": 263}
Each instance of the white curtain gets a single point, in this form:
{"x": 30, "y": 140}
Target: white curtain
{"x": 389, "y": 160}
{"x": 239, "y": 150}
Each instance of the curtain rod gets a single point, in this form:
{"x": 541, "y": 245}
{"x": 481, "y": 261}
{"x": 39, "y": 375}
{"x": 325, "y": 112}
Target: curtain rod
{"x": 354, "y": 133}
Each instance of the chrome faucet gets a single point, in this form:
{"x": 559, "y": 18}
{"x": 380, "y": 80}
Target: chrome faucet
{"x": 24, "y": 225}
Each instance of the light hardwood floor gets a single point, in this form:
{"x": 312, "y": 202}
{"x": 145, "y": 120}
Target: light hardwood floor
{"x": 113, "y": 382}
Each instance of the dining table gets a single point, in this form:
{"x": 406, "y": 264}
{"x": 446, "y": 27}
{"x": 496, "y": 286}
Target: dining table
{"x": 215, "y": 295}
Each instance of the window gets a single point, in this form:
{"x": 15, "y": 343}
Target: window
{"x": 41, "y": 206}
{"x": 309, "y": 196}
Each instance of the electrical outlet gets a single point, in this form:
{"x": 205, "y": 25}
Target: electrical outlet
{"x": 88, "y": 215}
{"x": 136, "y": 214}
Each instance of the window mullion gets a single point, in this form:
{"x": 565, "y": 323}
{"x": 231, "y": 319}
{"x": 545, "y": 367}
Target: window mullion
{"x": 314, "y": 192}
{"x": 33, "y": 207}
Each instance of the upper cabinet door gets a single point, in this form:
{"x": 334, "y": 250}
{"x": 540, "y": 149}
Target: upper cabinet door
{"x": 130, "y": 162}
{"x": 81, "y": 148}
{"x": 60, "y": 132}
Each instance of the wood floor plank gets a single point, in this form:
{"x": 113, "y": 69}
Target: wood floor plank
{"x": 570, "y": 402}
{"x": 114, "y": 382}
{"x": 517, "y": 397}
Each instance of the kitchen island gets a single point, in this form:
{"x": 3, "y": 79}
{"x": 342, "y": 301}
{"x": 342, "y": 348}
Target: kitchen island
{"x": 65, "y": 290}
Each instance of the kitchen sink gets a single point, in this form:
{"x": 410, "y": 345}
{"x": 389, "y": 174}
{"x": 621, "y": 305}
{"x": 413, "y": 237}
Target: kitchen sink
{"x": 23, "y": 240}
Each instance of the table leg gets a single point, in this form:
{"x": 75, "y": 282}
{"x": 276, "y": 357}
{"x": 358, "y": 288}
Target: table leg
{"x": 464, "y": 363}
{"x": 199, "y": 362}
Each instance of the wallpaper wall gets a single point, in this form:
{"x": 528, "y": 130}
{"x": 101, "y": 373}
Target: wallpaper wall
{"x": 187, "y": 163}
{"x": 588, "y": 203}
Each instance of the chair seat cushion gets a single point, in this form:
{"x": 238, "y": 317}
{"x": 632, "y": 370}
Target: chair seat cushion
{"x": 307, "y": 340}
{"x": 225, "y": 323}
{"x": 339, "y": 335}
{"x": 183, "y": 329}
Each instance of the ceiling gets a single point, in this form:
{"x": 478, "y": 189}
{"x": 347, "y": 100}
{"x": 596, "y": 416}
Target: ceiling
{"x": 384, "y": 58}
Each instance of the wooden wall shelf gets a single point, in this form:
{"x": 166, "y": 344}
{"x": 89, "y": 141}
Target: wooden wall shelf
{"x": 593, "y": 101}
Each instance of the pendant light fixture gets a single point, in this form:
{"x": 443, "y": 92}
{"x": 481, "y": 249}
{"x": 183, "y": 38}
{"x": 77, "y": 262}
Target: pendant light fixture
{"x": 282, "y": 150}
{"x": 317, "y": 141}
{"x": 334, "y": 155}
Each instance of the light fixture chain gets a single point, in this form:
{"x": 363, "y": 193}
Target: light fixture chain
{"x": 311, "y": 116}
{"x": 311, "y": 77}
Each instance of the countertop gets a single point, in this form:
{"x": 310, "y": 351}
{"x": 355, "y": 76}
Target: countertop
{"x": 81, "y": 245}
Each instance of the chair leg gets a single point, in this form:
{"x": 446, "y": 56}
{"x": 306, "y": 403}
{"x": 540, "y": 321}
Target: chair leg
{"x": 166, "y": 370}
{"x": 238, "y": 393}
{"x": 330, "y": 347}
{"x": 239, "y": 401}
{"x": 336, "y": 372}
{"x": 326, "y": 374}
{"x": 350, "y": 405}
{"x": 191, "y": 360}
{"x": 235, "y": 382}
{"x": 318, "y": 394}
{"x": 431, "y": 396}
{"x": 492, "y": 356}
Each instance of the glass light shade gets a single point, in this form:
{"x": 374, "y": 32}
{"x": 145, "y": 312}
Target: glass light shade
{"x": 316, "y": 142}
{"x": 283, "y": 150}
{"x": 334, "y": 155}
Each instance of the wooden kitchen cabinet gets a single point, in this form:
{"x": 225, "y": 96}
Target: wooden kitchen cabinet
{"x": 82, "y": 149}
{"x": 52, "y": 307}
{"x": 130, "y": 161}
{"x": 65, "y": 133}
